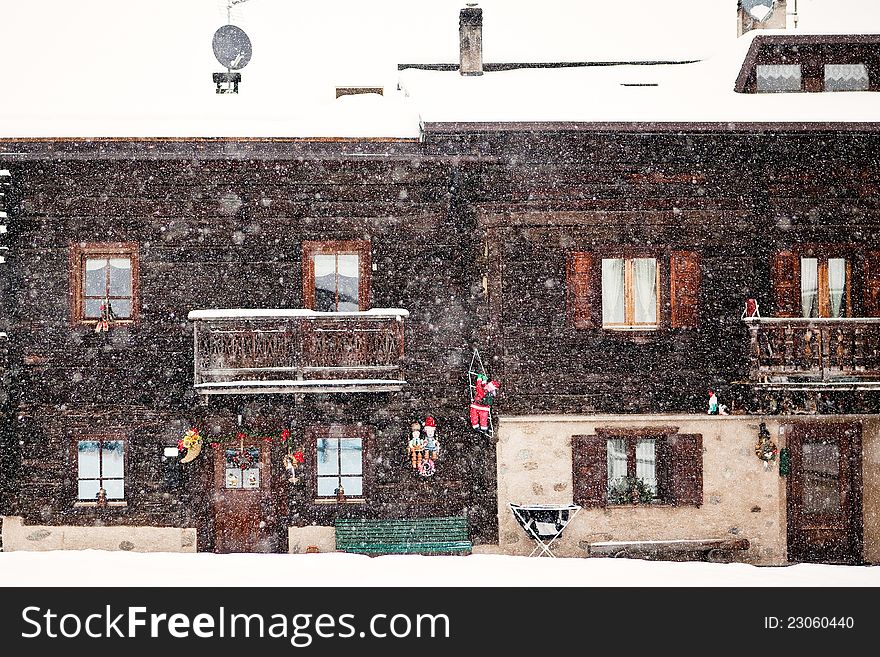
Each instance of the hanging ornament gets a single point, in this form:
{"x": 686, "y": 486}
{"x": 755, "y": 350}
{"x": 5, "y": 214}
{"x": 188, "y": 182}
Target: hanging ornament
{"x": 765, "y": 449}
{"x": 107, "y": 318}
{"x": 416, "y": 446}
{"x": 292, "y": 460}
{"x": 192, "y": 443}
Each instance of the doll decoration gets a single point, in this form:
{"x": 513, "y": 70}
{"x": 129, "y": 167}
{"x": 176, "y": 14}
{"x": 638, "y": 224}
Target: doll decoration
{"x": 483, "y": 396}
{"x": 416, "y": 446}
{"x": 424, "y": 447}
{"x": 765, "y": 449}
{"x": 713, "y": 403}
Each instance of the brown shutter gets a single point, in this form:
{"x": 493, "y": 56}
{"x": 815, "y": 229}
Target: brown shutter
{"x": 589, "y": 470}
{"x": 684, "y": 288}
{"x": 582, "y": 296}
{"x": 684, "y": 469}
{"x": 872, "y": 284}
{"x": 787, "y": 284}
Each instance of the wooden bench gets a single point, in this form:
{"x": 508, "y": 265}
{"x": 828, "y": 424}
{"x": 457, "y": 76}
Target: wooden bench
{"x": 444, "y": 535}
{"x": 717, "y": 550}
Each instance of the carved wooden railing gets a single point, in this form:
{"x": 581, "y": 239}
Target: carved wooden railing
{"x": 820, "y": 350}
{"x": 261, "y": 351}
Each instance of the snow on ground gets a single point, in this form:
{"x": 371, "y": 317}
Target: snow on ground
{"x": 120, "y": 569}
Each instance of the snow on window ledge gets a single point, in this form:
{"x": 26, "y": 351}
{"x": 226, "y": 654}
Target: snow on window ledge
{"x": 94, "y": 505}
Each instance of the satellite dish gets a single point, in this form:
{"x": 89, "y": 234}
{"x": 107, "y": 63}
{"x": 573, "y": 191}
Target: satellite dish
{"x": 232, "y": 47}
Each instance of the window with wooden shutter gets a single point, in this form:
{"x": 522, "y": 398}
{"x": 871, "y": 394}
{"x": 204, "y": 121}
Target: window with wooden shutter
{"x": 684, "y": 469}
{"x": 684, "y": 269}
{"x": 582, "y": 297}
{"x": 589, "y": 470}
{"x": 872, "y": 284}
{"x": 787, "y": 284}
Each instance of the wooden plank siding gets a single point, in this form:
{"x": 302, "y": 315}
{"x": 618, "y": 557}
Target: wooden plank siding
{"x": 229, "y": 234}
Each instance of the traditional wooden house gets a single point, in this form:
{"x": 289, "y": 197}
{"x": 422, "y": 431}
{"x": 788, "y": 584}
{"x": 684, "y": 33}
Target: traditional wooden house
{"x": 681, "y": 274}
{"x": 618, "y": 242}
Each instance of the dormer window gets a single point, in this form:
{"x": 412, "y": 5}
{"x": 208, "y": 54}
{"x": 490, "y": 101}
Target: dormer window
{"x": 772, "y": 78}
{"x": 846, "y": 77}
{"x": 811, "y": 63}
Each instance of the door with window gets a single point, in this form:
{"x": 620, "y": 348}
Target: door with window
{"x": 824, "y": 493}
{"x": 244, "y": 517}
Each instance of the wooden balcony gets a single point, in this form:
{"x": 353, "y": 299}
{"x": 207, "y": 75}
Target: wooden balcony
{"x": 814, "y": 354}
{"x": 249, "y": 352}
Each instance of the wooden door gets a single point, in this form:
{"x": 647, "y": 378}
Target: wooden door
{"x": 244, "y": 518}
{"x": 825, "y": 493}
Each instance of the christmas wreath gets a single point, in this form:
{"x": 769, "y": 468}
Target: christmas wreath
{"x": 765, "y": 449}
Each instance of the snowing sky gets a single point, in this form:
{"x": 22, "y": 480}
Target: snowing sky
{"x": 105, "y": 61}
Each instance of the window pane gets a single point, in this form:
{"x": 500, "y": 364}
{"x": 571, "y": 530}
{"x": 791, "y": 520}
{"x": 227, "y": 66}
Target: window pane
{"x": 354, "y": 486}
{"x": 113, "y": 459}
{"x": 325, "y": 282}
{"x": 821, "y": 478}
{"x": 352, "y": 453}
{"x": 92, "y": 308}
{"x": 87, "y": 489}
{"x": 121, "y": 308}
{"x": 810, "y": 287}
{"x": 837, "y": 285}
{"x": 96, "y": 277}
{"x": 327, "y": 486}
{"x": 349, "y": 276}
{"x": 645, "y": 290}
{"x": 120, "y": 277}
{"x": 612, "y": 291}
{"x": 846, "y": 77}
{"x": 87, "y": 459}
{"x": 233, "y": 478}
{"x": 250, "y": 478}
{"x": 328, "y": 456}
{"x": 115, "y": 489}
{"x": 646, "y": 462}
{"x": 779, "y": 77}
{"x": 616, "y": 461}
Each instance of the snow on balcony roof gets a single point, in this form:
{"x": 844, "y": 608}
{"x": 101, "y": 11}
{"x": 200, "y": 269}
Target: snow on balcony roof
{"x": 698, "y": 92}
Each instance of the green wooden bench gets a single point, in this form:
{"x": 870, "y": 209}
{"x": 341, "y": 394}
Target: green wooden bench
{"x": 446, "y": 535}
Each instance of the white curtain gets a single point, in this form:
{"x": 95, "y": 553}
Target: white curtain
{"x": 836, "y": 284}
{"x": 810, "y": 287}
{"x": 645, "y": 292}
{"x": 612, "y": 291}
{"x": 646, "y": 462}
{"x": 616, "y": 451}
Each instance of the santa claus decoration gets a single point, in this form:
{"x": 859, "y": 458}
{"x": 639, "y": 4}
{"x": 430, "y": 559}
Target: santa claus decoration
{"x": 484, "y": 395}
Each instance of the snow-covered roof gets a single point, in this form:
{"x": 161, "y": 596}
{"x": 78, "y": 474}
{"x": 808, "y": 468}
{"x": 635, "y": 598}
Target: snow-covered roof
{"x": 688, "y": 93}
{"x": 104, "y": 69}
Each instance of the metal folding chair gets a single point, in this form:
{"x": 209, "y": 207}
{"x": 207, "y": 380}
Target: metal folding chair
{"x": 544, "y": 523}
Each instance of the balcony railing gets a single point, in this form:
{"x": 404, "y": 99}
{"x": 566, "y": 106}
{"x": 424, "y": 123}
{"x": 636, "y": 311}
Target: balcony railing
{"x": 295, "y": 351}
{"x": 815, "y": 353}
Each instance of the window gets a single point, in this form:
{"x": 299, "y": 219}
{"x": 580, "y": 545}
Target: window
{"x": 813, "y": 282}
{"x": 630, "y": 292}
{"x": 100, "y": 465}
{"x": 336, "y": 276}
{"x": 846, "y": 77}
{"x": 638, "y": 466}
{"x": 340, "y": 455}
{"x": 104, "y": 277}
{"x": 627, "y": 293}
{"x": 772, "y": 78}
{"x": 242, "y": 468}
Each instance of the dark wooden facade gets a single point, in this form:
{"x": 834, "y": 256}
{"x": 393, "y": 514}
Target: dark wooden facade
{"x": 470, "y": 231}
{"x": 223, "y": 232}
{"x": 734, "y": 197}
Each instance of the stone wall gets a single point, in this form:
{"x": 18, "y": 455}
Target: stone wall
{"x": 741, "y": 499}
{"x": 18, "y": 536}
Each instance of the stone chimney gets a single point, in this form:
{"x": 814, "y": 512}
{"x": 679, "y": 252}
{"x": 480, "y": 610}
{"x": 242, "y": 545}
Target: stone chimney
{"x": 470, "y": 40}
{"x": 761, "y": 15}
